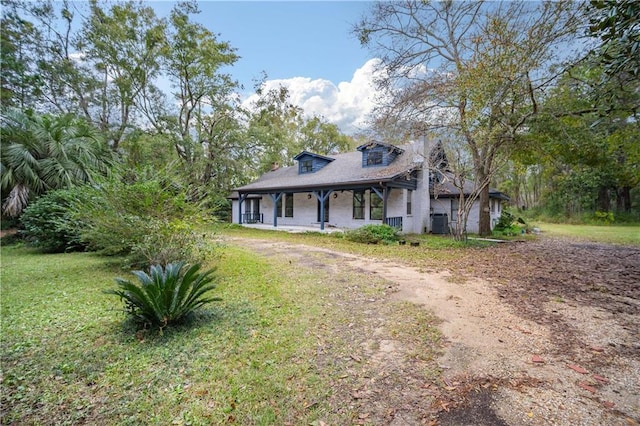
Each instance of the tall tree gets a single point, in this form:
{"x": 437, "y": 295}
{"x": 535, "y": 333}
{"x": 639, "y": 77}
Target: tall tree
{"x": 617, "y": 26}
{"x": 588, "y": 150}
{"x": 19, "y": 83}
{"x": 472, "y": 71}
{"x": 278, "y": 130}
{"x": 123, "y": 45}
{"x": 193, "y": 60}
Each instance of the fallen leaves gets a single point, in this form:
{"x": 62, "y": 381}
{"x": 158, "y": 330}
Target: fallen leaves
{"x": 537, "y": 359}
{"x": 577, "y": 368}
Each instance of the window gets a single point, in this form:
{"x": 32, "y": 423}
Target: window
{"x": 409, "y": 200}
{"x": 358, "y": 204}
{"x": 455, "y": 202}
{"x": 306, "y": 166}
{"x": 374, "y": 158}
{"x": 288, "y": 205}
{"x": 279, "y": 207}
{"x": 375, "y": 208}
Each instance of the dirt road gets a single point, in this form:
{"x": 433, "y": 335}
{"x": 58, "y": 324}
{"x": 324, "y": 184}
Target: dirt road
{"x": 543, "y": 332}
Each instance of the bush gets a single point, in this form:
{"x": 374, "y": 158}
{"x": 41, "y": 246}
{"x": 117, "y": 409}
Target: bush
{"x": 605, "y": 218}
{"x": 49, "y": 222}
{"x": 165, "y": 296}
{"x": 507, "y": 226}
{"x": 148, "y": 220}
{"x": 373, "y": 234}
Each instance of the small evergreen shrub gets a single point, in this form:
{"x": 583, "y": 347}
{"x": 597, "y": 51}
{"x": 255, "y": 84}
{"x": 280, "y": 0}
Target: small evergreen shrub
{"x": 506, "y": 225}
{"x": 165, "y": 296}
{"x": 49, "y": 223}
{"x": 373, "y": 234}
{"x": 605, "y": 218}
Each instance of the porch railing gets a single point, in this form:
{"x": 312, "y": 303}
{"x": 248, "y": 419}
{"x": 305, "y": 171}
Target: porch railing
{"x": 395, "y": 222}
{"x": 252, "y": 218}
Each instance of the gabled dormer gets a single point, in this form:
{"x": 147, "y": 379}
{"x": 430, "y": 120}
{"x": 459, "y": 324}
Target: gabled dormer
{"x": 376, "y": 154}
{"x": 308, "y": 162}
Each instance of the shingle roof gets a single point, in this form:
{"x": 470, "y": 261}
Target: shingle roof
{"x": 448, "y": 189}
{"x": 344, "y": 169}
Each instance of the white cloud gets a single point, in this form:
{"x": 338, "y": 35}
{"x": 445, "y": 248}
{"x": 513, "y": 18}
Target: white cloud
{"x": 347, "y": 105}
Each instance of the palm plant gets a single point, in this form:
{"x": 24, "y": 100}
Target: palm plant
{"x": 166, "y": 295}
{"x": 43, "y": 152}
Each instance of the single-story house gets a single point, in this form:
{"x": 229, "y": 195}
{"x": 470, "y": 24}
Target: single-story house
{"x": 377, "y": 183}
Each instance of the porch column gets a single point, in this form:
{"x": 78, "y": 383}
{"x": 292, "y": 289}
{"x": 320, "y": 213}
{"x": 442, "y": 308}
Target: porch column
{"x": 322, "y": 197}
{"x": 241, "y": 199}
{"x": 276, "y": 196}
{"x": 384, "y": 195}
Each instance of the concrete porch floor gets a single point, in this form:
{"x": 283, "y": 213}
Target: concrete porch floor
{"x": 292, "y": 229}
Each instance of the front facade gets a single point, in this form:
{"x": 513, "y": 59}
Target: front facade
{"x": 378, "y": 183}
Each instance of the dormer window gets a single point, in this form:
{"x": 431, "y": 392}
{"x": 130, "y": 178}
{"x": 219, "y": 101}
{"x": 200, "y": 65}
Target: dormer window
{"x": 306, "y": 166}
{"x": 375, "y": 154}
{"x": 309, "y": 162}
{"x": 374, "y": 158}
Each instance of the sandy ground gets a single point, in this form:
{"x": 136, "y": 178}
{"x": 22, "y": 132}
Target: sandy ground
{"x": 565, "y": 362}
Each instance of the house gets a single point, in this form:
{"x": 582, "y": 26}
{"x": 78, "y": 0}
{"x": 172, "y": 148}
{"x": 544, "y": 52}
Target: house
{"x": 377, "y": 183}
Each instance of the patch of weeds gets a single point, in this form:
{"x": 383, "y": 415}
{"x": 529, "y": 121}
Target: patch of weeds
{"x": 421, "y": 332}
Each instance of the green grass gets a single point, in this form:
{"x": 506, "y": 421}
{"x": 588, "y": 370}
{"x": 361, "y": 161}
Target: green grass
{"x": 615, "y": 234}
{"x": 70, "y": 356}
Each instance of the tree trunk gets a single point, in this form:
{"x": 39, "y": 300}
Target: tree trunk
{"x": 603, "y": 204}
{"x": 484, "y": 224}
{"x": 623, "y": 201}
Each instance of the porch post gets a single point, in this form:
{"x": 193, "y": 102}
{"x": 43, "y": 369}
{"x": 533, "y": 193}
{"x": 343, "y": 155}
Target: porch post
{"x": 241, "y": 199}
{"x": 384, "y": 196}
{"x": 322, "y": 197}
{"x": 276, "y": 196}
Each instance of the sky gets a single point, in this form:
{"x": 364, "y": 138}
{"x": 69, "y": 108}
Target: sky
{"x": 307, "y": 46}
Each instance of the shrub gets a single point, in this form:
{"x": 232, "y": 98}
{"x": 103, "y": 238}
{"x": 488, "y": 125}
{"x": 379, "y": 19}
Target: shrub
{"x": 605, "y": 218}
{"x": 373, "y": 234}
{"x": 506, "y": 225}
{"x": 149, "y": 220}
{"x": 165, "y": 296}
{"x": 49, "y": 223}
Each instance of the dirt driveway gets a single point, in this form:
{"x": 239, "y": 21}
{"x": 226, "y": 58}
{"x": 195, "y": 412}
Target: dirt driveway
{"x": 542, "y": 332}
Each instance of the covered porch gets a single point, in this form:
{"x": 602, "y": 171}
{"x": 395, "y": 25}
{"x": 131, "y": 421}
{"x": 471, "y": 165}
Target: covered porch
{"x": 313, "y": 200}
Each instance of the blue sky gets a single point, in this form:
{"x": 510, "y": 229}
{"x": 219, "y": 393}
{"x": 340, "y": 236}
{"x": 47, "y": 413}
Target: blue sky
{"x": 286, "y": 39}
{"x": 306, "y": 46}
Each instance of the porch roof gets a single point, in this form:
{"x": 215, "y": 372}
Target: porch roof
{"x": 447, "y": 189}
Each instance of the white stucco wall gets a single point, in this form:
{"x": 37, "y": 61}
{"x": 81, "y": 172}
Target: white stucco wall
{"x": 443, "y": 205}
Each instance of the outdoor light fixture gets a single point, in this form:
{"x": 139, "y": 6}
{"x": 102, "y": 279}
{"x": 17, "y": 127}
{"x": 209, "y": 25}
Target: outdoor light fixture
{"x": 309, "y": 196}
{"x": 335, "y": 195}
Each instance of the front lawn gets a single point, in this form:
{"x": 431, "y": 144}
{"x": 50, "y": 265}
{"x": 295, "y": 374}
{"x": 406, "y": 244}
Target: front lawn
{"x": 614, "y": 234}
{"x": 69, "y": 356}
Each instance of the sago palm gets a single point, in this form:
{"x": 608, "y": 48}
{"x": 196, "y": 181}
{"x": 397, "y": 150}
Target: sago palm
{"x": 164, "y": 296}
{"x": 43, "y": 152}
